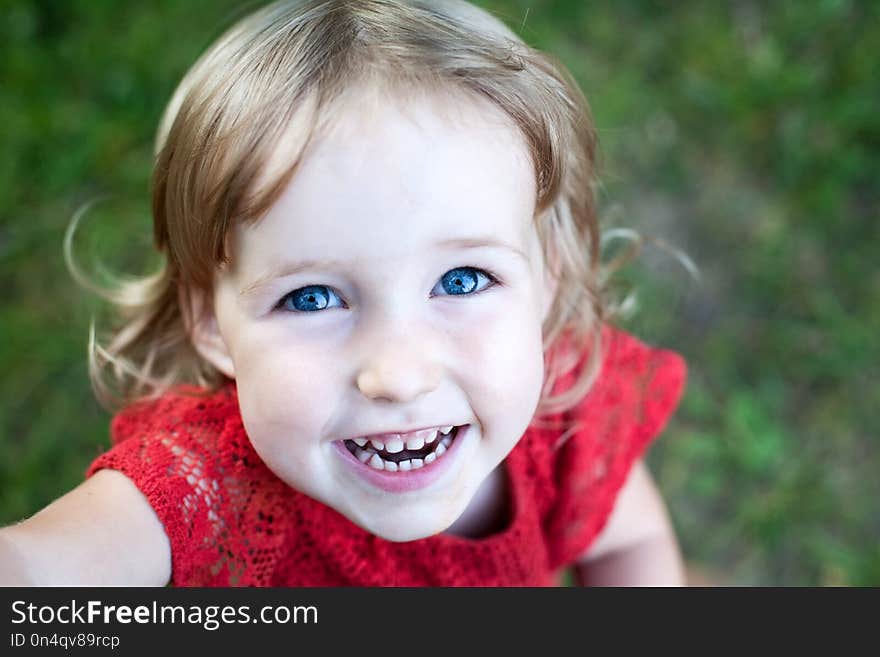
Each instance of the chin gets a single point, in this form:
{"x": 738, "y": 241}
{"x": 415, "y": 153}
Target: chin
{"x": 404, "y": 534}
{"x": 405, "y": 527}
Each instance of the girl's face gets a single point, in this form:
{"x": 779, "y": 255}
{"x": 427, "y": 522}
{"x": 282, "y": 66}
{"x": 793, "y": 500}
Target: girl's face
{"x": 397, "y": 287}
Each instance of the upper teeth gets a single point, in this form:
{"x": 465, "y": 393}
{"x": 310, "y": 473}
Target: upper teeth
{"x": 394, "y": 445}
{"x": 413, "y": 441}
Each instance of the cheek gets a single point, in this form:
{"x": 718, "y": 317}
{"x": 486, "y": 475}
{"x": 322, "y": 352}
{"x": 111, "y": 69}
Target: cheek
{"x": 284, "y": 406}
{"x": 505, "y": 362}
{"x": 284, "y": 392}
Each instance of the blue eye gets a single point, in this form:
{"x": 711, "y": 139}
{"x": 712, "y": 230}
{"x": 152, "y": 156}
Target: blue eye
{"x": 308, "y": 299}
{"x": 461, "y": 281}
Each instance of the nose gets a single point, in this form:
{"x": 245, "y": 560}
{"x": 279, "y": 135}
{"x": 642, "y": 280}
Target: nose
{"x": 398, "y": 372}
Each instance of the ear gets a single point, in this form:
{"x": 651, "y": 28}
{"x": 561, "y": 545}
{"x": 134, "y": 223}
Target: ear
{"x": 200, "y": 320}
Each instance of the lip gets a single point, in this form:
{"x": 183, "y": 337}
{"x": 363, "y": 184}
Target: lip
{"x": 405, "y": 482}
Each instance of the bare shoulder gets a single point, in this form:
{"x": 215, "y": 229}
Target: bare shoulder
{"x": 639, "y": 514}
{"x": 103, "y": 532}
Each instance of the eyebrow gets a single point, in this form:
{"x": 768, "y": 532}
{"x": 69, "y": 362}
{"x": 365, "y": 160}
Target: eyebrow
{"x": 290, "y": 269}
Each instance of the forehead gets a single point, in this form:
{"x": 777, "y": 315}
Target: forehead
{"x": 398, "y": 173}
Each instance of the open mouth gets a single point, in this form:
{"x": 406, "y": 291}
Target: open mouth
{"x": 399, "y": 456}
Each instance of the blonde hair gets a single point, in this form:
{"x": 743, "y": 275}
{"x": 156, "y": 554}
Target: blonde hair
{"x": 232, "y": 109}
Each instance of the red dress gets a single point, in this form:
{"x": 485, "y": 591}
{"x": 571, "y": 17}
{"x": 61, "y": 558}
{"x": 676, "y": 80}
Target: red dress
{"x": 231, "y": 522}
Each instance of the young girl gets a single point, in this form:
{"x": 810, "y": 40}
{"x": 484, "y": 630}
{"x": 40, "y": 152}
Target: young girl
{"x": 378, "y": 351}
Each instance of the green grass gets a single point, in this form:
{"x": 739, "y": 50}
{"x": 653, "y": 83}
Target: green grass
{"x": 749, "y": 137}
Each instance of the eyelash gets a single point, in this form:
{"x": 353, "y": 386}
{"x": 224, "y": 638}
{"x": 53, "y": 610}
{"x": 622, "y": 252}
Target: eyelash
{"x": 493, "y": 281}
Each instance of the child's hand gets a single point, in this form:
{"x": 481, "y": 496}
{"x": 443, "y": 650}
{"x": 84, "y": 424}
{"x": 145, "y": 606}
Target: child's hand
{"x": 101, "y": 533}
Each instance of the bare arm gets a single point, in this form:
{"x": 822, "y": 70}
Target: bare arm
{"x": 638, "y": 546}
{"x": 103, "y": 532}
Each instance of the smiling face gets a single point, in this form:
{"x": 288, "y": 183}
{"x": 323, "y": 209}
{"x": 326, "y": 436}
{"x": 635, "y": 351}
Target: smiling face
{"x": 397, "y": 284}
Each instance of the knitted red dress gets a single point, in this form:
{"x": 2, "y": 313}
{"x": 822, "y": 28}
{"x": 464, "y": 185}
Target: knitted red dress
{"x": 230, "y": 521}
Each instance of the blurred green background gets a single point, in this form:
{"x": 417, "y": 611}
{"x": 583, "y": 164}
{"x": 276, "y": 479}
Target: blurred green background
{"x": 745, "y": 133}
